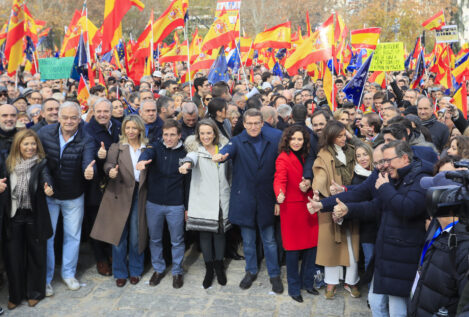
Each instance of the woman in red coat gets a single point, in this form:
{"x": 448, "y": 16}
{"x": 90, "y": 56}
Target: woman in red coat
{"x": 299, "y": 228}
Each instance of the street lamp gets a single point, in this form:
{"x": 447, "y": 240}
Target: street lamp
{"x": 395, "y": 28}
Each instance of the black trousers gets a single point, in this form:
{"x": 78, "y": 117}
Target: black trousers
{"x": 26, "y": 259}
{"x": 212, "y": 245}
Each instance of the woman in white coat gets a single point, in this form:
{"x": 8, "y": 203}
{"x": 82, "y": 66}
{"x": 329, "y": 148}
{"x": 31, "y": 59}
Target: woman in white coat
{"x": 209, "y": 196}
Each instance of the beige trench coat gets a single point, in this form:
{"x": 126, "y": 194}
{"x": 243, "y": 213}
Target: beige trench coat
{"x": 117, "y": 200}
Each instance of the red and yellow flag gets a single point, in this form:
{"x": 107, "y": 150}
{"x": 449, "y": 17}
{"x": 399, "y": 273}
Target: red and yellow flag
{"x": 3, "y": 33}
{"x": 169, "y": 20}
{"x": 177, "y": 54}
{"x": 14, "y": 40}
{"x": 365, "y": 38}
{"x": 379, "y": 78}
{"x": 114, "y": 12}
{"x": 221, "y": 33}
{"x": 83, "y": 93}
{"x": 435, "y": 22}
{"x": 277, "y": 37}
{"x": 460, "y": 99}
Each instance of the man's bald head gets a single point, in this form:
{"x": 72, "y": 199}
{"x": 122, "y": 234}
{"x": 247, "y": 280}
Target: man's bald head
{"x": 8, "y": 116}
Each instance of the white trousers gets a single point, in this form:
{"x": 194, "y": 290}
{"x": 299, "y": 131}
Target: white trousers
{"x": 332, "y": 274}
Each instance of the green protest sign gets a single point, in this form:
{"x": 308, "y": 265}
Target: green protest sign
{"x": 388, "y": 57}
{"x": 55, "y": 68}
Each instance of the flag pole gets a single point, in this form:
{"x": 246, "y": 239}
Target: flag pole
{"x": 188, "y": 58}
{"x": 151, "y": 40}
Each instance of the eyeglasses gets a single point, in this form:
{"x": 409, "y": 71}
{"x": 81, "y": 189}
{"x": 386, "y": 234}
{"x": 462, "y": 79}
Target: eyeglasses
{"x": 253, "y": 124}
{"x": 35, "y": 114}
{"x": 208, "y": 99}
{"x": 3, "y": 94}
{"x": 388, "y": 161}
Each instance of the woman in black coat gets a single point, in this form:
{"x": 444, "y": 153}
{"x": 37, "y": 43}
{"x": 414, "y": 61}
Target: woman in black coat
{"x": 27, "y": 220}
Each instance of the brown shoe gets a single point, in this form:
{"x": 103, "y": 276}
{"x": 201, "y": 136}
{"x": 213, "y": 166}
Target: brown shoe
{"x": 156, "y": 279}
{"x": 11, "y": 305}
{"x": 120, "y": 282}
{"x": 134, "y": 280}
{"x": 32, "y": 302}
{"x": 178, "y": 281}
{"x": 104, "y": 268}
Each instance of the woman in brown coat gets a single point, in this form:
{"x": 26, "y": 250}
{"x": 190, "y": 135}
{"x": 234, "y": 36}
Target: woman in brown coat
{"x": 121, "y": 215}
{"x": 338, "y": 243}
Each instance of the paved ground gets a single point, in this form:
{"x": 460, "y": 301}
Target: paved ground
{"x": 100, "y": 297}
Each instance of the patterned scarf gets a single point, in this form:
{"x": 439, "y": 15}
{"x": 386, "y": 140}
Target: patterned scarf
{"x": 21, "y": 190}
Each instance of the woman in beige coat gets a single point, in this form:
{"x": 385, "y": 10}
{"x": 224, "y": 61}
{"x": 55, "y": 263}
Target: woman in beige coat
{"x": 121, "y": 215}
{"x": 338, "y": 243}
{"x": 209, "y": 196}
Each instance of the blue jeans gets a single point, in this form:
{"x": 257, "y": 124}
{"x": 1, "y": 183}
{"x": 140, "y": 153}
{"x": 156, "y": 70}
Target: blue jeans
{"x": 174, "y": 215}
{"x": 72, "y": 212}
{"x": 383, "y": 305}
{"x": 270, "y": 250}
{"x": 119, "y": 253}
{"x": 368, "y": 249}
{"x": 305, "y": 278}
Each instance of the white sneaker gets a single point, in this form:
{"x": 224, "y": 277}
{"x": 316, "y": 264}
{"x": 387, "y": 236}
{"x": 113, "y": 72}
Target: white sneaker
{"x": 72, "y": 283}
{"x": 49, "y": 290}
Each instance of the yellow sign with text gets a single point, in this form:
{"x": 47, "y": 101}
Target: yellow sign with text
{"x": 388, "y": 57}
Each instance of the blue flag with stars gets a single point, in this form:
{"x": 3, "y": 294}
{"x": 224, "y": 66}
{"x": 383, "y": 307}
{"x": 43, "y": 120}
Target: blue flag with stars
{"x": 80, "y": 62}
{"x": 353, "y": 90}
{"x": 219, "y": 70}
{"x": 234, "y": 61}
{"x": 277, "y": 71}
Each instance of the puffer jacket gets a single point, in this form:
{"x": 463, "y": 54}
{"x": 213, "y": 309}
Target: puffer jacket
{"x": 68, "y": 171}
{"x": 442, "y": 274}
{"x": 209, "y": 195}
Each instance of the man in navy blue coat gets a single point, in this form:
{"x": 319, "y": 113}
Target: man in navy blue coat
{"x": 252, "y": 196}
{"x": 400, "y": 200}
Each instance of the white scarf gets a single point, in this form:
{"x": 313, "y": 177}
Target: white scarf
{"x": 360, "y": 170}
{"x": 340, "y": 154}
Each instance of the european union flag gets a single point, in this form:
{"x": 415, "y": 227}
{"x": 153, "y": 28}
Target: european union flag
{"x": 277, "y": 71}
{"x": 353, "y": 90}
{"x": 156, "y": 53}
{"x": 120, "y": 50}
{"x": 29, "y": 49}
{"x": 281, "y": 53}
{"x": 80, "y": 62}
{"x": 234, "y": 61}
{"x": 107, "y": 57}
{"x": 219, "y": 70}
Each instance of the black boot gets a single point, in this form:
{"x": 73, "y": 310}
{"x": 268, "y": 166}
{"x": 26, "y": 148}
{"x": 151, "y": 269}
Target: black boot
{"x": 220, "y": 271}
{"x": 208, "y": 279}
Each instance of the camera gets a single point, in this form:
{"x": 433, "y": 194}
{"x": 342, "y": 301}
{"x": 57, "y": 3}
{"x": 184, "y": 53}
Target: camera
{"x": 452, "y": 200}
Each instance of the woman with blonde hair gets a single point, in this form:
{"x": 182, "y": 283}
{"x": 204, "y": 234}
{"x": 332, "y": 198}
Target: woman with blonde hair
{"x": 121, "y": 215}
{"x": 27, "y": 220}
{"x": 338, "y": 242}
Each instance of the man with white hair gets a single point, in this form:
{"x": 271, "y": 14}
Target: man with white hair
{"x": 284, "y": 115}
{"x": 190, "y": 117}
{"x": 8, "y": 117}
{"x": 71, "y": 159}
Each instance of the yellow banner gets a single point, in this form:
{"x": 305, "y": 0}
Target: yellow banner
{"x": 388, "y": 57}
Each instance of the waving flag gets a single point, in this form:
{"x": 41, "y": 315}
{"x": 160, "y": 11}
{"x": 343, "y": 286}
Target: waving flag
{"x": 82, "y": 94}
{"x": 221, "y": 33}
{"x": 419, "y": 70}
{"x": 177, "y": 54}
{"x": 14, "y": 41}
{"x": 365, "y": 38}
{"x": 114, "y": 12}
{"x": 435, "y": 22}
{"x": 173, "y": 17}
{"x": 353, "y": 90}
{"x": 460, "y": 99}
{"x": 462, "y": 68}
{"x": 277, "y": 37}
{"x": 80, "y": 62}
{"x": 219, "y": 70}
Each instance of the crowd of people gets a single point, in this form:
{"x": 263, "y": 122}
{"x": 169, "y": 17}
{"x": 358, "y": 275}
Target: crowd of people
{"x": 338, "y": 197}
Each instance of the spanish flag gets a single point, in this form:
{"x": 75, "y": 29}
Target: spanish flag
{"x": 83, "y": 93}
{"x": 365, "y": 38}
{"x": 277, "y": 37}
{"x": 462, "y": 68}
{"x": 169, "y": 20}
{"x": 435, "y": 22}
{"x": 114, "y": 12}
{"x": 143, "y": 43}
{"x": 379, "y": 78}
{"x": 84, "y": 26}
{"x": 14, "y": 42}
{"x": 314, "y": 49}
{"x": 3, "y": 33}
{"x": 204, "y": 61}
{"x": 460, "y": 99}
{"x": 177, "y": 54}
{"x": 221, "y": 33}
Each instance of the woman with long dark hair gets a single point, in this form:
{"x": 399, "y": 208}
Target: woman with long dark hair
{"x": 217, "y": 112}
{"x": 338, "y": 243}
{"x": 27, "y": 222}
{"x": 209, "y": 196}
{"x": 299, "y": 228}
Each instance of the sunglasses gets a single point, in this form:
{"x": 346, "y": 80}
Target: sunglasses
{"x": 3, "y": 94}
{"x": 208, "y": 99}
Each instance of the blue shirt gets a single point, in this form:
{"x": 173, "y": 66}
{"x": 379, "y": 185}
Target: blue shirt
{"x": 64, "y": 143}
